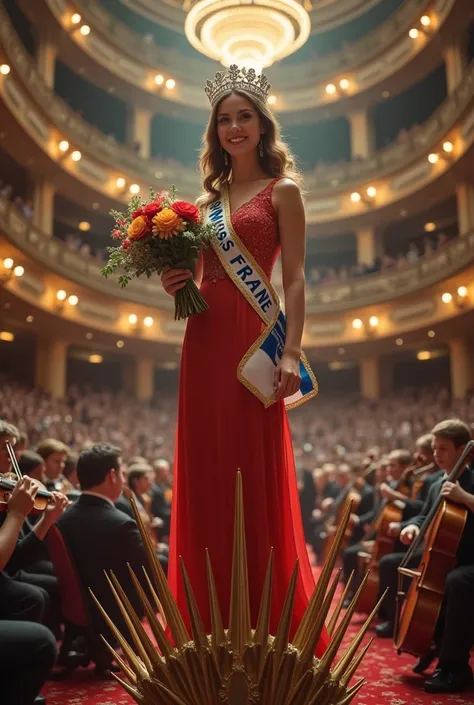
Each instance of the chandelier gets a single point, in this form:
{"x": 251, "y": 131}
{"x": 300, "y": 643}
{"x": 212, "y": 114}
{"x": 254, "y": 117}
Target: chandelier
{"x": 250, "y": 33}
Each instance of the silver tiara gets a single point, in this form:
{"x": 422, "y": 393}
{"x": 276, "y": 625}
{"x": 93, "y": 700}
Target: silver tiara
{"x": 237, "y": 79}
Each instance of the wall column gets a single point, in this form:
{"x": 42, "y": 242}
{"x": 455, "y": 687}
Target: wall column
{"x": 465, "y": 206}
{"x": 455, "y": 61}
{"x": 46, "y": 54}
{"x": 370, "y": 387}
{"x": 366, "y": 246}
{"x": 43, "y": 205}
{"x": 139, "y": 130}
{"x": 362, "y": 135}
{"x": 51, "y": 366}
{"x": 460, "y": 362}
{"x": 144, "y": 379}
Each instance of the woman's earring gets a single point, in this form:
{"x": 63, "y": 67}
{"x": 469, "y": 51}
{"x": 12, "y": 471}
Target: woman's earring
{"x": 260, "y": 147}
{"x": 226, "y": 158}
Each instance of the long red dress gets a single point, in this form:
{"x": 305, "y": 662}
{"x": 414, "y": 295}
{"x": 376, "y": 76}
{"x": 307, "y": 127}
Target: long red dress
{"x": 222, "y": 427}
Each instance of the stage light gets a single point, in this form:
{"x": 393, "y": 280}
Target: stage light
{"x": 425, "y": 21}
{"x": 133, "y": 318}
{"x": 357, "y": 323}
{"x": 399, "y": 341}
{"x": 84, "y": 226}
{"x": 76, "y": 156}
{"x": 148, "y": 321}
{"x": 331, "y": 89}
{"x": 356, "y": 197}
{"x": 73, "y": 300}
{"x": 120, "y": 343}
{"x": 6, "y": 336}
{"x": 8, "y": 263}
{"x": 433, "y": 158}
{"x": 413, "y": 33}
{"x": 89, "y": 336}
{"x": 19, "y": 271}
{"x": 30, "y": 319}
{"x": 96, "y": 359}
{"x": 424, "y": 355}
{"x": 272, "y": 99}
{"x": 170, "y": 84}
{"x": 85, "y": 30}
{"x": 431, "y": 334}
{"x": 371, "y": 192}
{"x": 4, "y": 69}
{"x": 430, "y": 227}
{"x": 446, "y": 297}
{"x": 462, "y": 291}
{"x": 448, "y": 147}
{"x": 134, "y": 189}
{"x": 344, "y": 84}
{"x": 373, "y": 321}
{"x": 159, "y": 79}
{"x": 76, "y": 18}
{"x": 61, "y": 295}
{"x": 120, "y": 183}
{"x": 63, "y": 146}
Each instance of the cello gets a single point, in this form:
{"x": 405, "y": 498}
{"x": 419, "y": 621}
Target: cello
{"x": 418, "y": 609}
{"x": 390, "y": 512}
{"x": 350, "y": 496}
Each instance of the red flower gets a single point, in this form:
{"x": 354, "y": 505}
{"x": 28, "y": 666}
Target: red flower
{"x": 151, "y": 209}
{"x": 139, "y": 211}
{"x": 186, "y": 210}
{"x": 116, "y": 234}
{"x": 126, "y": 244}
{"x": 121, "y": 222}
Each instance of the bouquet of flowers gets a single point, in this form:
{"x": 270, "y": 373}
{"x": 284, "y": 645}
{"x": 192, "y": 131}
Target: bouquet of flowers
{"x": 159, "y": 233}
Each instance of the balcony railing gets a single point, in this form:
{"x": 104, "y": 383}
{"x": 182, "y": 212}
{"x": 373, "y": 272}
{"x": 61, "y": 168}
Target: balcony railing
{"x": 327, "y": 179}
{"x": 324, "y": 298}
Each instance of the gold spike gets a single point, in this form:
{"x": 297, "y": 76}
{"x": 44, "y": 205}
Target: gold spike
{"x": 133, "y": 623}
{"x": 352, "y": 648}
{"x": 305, "y": 629}
{"x": 311, "y": 644}
{"x": 130, "y": 689}
{"x": 218, "y": 637}
{"x": 159, "y": 606}
{"x": 156, "y": 628}
{"x": 171, "y": 696}
{"x": 239, "y": 618}
{"x": 173, "y": 617}
{"x": 336, "y": 614}
{"x": 133, "y": 660}
{"x": 354, "y": 665}
{"x": 200, "y": 638}
{"x": 281, "y": 638}
{"x": 350, "y": 695}
{"x": 126, "y": 670}
{"x": 263, "y": 621}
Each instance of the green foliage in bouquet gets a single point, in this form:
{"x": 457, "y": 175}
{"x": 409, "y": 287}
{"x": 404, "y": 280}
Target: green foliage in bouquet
{"x": 159, "y": 233}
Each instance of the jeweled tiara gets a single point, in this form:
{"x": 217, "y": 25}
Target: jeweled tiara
{"x": 237, "y": 79}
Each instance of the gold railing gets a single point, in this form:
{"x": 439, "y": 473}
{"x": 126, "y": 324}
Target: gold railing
{"x": 327, "y": 179}
{"x": 324, "y": 298}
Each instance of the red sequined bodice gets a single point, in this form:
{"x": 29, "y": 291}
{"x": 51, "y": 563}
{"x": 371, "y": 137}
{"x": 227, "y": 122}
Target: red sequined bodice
{"x": 256, "y": 224}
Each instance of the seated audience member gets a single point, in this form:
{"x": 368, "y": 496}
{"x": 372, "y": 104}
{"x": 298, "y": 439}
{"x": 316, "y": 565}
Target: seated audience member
{"x": 100, "y": 537}
{"x": 31, "y": 464}
{"x": 27, "y": 650}
{"x": 70, "y": 470}
{"x": 161, "y": 494}
{"x": 54, "y": 454}
{"x": 22, "y": 443}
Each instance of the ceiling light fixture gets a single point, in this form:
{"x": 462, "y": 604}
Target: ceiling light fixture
{"x": 254, "y": 35}
{"x": 4, "y": 69}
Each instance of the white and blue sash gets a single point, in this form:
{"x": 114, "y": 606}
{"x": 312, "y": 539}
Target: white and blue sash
{"x": 256, "y": 370}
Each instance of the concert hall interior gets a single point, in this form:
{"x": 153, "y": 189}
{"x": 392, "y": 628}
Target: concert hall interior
{"x": 101, "y": 100}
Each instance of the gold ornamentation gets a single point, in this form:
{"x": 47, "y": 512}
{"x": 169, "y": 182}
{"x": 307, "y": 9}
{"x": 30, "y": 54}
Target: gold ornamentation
{"x": 240, "y": 665}
{"x": 237, "y": 80}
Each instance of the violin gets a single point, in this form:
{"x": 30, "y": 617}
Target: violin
{"x": 390, "y": 512}
{"x": 8, "y": 483}
{"x": 418, "y": 609}
{"x": 350, "y": 496}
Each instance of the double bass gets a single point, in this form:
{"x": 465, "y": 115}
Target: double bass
{"x": 390, "y": 512}
{"x": 349, "y": 497}
{"x": 418, "y": 609}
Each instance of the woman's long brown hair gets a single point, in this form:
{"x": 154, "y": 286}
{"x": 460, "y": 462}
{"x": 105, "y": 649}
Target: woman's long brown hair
{"x": 277, "y": 159}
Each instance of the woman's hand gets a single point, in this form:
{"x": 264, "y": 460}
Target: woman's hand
{"x": 175, "y": 279}
{"x": 287, "y": 376}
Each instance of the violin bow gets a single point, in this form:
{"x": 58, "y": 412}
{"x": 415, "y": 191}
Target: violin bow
{"x": 13, "y": 460}
{"x": 403, "y": 571}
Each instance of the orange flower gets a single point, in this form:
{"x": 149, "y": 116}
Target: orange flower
{"x": 138, "y": 227}
{"x": 167, "y": 224}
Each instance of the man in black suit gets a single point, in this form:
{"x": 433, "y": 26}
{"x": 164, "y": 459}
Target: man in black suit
{"x": 161, "y": 493}
{"x": 100, "y": 537}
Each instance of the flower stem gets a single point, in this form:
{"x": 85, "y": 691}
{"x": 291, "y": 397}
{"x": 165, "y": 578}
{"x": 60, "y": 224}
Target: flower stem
{"x": 188, "y": 301}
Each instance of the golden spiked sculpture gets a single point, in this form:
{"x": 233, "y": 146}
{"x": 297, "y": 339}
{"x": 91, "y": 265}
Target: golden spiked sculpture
{"x": 237, "y": 666}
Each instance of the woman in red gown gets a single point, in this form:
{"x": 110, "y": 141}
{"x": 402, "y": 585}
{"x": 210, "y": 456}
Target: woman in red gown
{"x": 222, "y": 426}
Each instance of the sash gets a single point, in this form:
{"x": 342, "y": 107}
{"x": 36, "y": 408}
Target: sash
{"x": 256, "y": 370}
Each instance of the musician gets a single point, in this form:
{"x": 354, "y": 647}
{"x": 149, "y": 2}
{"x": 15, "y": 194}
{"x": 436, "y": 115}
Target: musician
{"x": 455, "y": 634}
{"x": 326, "y": 491}
{"x": 27, "y": 650}
{"x": 54, "y": 454}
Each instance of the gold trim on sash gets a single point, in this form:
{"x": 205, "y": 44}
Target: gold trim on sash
{"x": 266, "y": 401}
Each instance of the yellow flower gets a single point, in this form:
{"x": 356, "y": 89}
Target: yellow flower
{"x": 137, "y": 227}
{"x": 167, "y": 224}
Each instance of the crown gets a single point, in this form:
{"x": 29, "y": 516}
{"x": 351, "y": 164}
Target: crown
{"x": 237, "y": 80}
